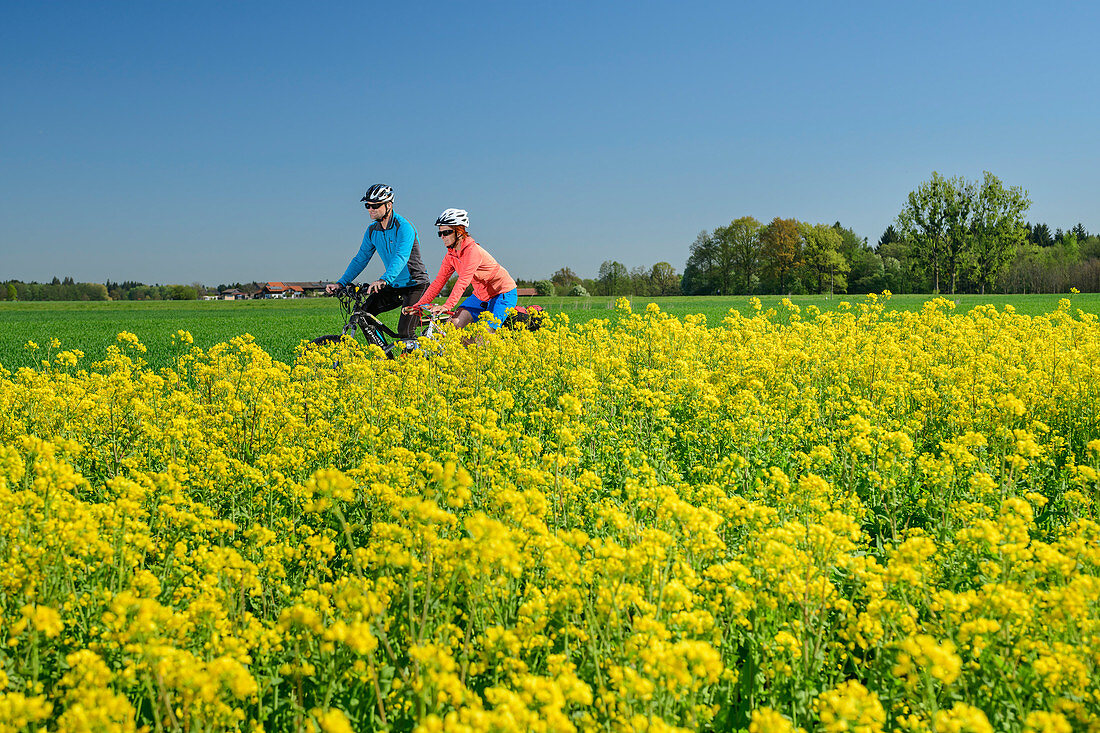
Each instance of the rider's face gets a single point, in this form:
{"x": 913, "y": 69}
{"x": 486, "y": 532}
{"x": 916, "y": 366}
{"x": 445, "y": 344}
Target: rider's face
{"x": 447, "y": 234}
{"x": 378, "y": 212}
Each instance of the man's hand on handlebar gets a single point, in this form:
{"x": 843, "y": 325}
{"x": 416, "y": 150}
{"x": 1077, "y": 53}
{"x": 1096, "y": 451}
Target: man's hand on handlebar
{"x": 331, "y": 288}
{"x": 375, "y": 286}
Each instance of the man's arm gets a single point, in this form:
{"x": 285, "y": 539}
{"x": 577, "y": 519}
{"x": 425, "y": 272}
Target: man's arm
{"x": 362, "y": 257}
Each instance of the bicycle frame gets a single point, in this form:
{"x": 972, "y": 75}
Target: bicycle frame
{"x": 353, "y": 298}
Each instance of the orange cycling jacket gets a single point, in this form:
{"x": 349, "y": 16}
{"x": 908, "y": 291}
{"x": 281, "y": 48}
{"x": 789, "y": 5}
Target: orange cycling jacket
{"x": 473, "y": 265}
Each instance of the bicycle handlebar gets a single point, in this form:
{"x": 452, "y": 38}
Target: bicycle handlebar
{"x": 425, "y": 310}
{"x": 349, "y": 289}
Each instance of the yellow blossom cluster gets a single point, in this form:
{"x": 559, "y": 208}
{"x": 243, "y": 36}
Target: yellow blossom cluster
{"x": 864, "y": 520}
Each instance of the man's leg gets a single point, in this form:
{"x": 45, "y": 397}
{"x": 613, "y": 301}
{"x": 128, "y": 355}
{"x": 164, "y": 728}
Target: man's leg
{"x": 381, "y": 301}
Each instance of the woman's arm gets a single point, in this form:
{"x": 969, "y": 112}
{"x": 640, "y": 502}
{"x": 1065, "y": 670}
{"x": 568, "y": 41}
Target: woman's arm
{"x": 468, "y": 261}
{"x": 445, "y": 270}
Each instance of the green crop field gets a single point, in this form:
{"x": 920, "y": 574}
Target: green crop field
{"x": 280, "y": 325}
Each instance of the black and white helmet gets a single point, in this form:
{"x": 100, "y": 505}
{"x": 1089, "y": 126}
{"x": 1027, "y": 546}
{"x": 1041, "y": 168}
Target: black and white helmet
{"x": 453, "y": 218}
{"x": 379, "y": 193}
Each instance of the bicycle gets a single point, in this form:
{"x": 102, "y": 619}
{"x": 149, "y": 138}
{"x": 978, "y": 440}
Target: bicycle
{"x": 353, "y": 298}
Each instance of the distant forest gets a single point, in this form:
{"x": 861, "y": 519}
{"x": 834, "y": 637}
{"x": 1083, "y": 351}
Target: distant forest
{"x": 67, "y": 289}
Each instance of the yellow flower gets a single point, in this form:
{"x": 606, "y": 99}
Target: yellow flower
{"x": 923, "y": 654}
{"x": 332, "y": 720}
{"x": 766, "y": 720}
{"x": 961, "y": 718}
{"x": 850, "y": 707}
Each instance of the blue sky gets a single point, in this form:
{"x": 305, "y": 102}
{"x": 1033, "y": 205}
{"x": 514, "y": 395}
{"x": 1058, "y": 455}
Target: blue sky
{"x": 216, "y": 142}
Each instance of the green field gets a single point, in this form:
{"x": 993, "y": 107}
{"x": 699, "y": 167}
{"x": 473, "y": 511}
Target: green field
{"x": 279, "y": 325}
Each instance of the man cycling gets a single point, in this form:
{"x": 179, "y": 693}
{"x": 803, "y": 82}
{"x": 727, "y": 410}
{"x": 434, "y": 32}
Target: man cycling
{"x": 395, "y": 240}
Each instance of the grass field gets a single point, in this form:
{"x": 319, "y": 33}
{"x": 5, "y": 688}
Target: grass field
{"x": 279, "y": 325}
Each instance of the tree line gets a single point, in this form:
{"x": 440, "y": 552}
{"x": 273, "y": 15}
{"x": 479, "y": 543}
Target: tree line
{"x": 68, "y": 289}
{"x": 951, "y": 235}
{"x": 613, "y": 279}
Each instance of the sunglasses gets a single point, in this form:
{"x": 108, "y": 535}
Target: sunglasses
{"x": 445, "y": 232}
{"x": 375, "y": 206}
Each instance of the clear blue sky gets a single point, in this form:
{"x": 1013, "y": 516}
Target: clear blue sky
{"x": 224, "y": 141}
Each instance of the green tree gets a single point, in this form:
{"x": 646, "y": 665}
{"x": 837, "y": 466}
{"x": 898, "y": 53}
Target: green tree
{"x": 866, "y": 273}
{"x": 821, "y": 255}
{"x": 934, "y": 222}
{"x": 700, "y": 271}
{"x": 725, "y": 246}
{"x": 959, "y": 234}
{"x": 638, "y": 281}
{"x": 612, "y": 277}
{"x": 90, "y": 291}
{"x": 564, "y": 279}
{"x": 1090, "y": 247}
{"x": 781, "y": 248}
{"x": 1040, "y": 235}
{"x": 903, "y": 271}
{"x": 544, "y": 287}
{"x": 740, "y": 248}
{"x": 13, "y": 294}
{"x": 889, "y": 236}
{"x": 1071, "y": 247}
{"x": 996, "y": 230}
{"x": 664, "y": 280}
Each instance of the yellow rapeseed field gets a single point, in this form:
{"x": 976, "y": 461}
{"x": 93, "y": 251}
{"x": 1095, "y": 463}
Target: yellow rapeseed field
{"x": 854, "y": 521}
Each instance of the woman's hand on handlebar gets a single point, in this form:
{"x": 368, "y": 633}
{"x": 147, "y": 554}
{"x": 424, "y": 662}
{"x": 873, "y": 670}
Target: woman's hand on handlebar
{"x": 428, "y": 308}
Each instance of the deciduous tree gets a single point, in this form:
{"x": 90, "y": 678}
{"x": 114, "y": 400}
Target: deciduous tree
{"x": 612, "y": 277}
{"x": 638, "y": 282}
{"x": 741, "y": 248}
{"x": 781, "y": 247}
{"x": 664, "y": 280}
{"x": 933, "y": 222}
{"x": 699, "y": 272}
{"x": 821, "y": 255}
{"x": 565, "y": 278}
{"x": 997, "y": 228}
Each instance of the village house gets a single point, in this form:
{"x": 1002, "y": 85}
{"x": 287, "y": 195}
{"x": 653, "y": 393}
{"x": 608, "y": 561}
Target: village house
{"x": 291, "y": 290}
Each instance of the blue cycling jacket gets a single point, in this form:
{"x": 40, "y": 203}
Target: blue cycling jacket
{"x": 399, "y": 249}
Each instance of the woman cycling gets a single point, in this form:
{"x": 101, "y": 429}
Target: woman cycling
{"x": 494, "y": 289}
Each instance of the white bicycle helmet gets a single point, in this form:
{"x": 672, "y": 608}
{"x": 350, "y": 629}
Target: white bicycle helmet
{"x": 379, "y": 193}
{"x": 453, "y": 218}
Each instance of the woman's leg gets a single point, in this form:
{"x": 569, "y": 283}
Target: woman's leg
{"x": 462, "y": 318}
{"x": 499, "y": 305}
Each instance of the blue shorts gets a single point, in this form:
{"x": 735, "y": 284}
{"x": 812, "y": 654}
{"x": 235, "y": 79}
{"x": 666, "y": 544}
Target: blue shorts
{"x": 497, "y": 305}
